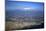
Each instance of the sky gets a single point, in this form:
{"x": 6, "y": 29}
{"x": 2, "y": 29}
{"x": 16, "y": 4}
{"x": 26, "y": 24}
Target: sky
{"x": 24, "y": 8}
{"x": 21, "y": 5}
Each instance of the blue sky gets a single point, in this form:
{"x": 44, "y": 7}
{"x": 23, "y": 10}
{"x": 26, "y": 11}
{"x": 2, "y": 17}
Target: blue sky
{"x": 18, "y": 5}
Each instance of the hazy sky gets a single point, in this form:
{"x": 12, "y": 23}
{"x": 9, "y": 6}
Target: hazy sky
{"x": 15, "y": 5}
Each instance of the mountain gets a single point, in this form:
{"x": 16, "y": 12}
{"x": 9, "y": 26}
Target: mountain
{"x": 19, "y": 15}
